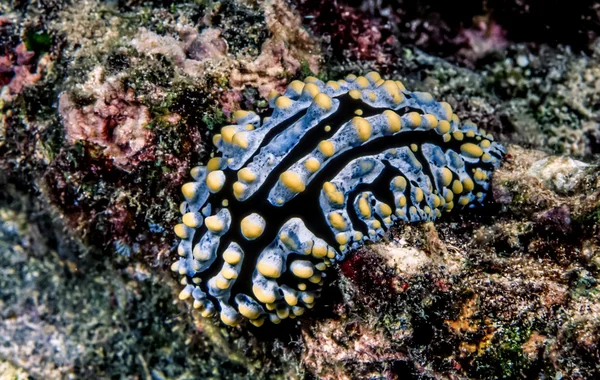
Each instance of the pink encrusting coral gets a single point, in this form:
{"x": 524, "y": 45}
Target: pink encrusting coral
{"x": 191, "y": 54}
{"x": 485, "y": 37}
{"x": 351, "y": 32}
{"x": 19, "y": 70}
{"x": 289, "y": 47}
{"x": 206, "y": 54}
{"x": 116, "y": 121}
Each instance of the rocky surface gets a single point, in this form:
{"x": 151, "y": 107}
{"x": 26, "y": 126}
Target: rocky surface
{"x": 105, "y": 106}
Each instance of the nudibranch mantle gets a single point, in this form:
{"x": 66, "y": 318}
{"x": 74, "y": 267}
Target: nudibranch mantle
{"x": 334, "y": 165}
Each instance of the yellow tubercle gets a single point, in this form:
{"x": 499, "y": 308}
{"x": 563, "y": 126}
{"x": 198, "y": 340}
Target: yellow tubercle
{"x": 222, "y": 283}
{"x": 302, "y": 269}
{"x": 385, "y": 210}
{"x": 185, "y": 294}
{"x": 269, "y": 268}
{"x": 312, "y": 164}
{"x": 341, "y": 238}
{"x": 362, "y": 128}
{"x": 400, "y": 182}
{"x": 239, "y": 114}
{"x": 468, "y": 184}
{"x": 246, "y": 175}
{"x": 333, "y": 84}
{"x": 457, "y": 187}
{"x": 228, "y": 132}
{"x": 311, "y": 90}
{"x": 458, "y": 135}
{"x": 252, "y": 226}
{"x": 418, "y": 194}
{"x": 364, "y": 207}
{"x": 283, "y": 102}
{"x": 431, "y": 120}
{"x": 290, "y": 298}
{"x": 362, "y": 82}
{"x": 355, "y": 94}
{"x": 337, "y": 220}
{"x": 239, "y": 189}
{"x": 319, "y": 251}
{"x": 373, "y": 76}
{"x": 414, "y": 119}
{"x": 292, "y": 181}
{"x": 288, "y": 241}
{"x": 189, "y": 190}
{"x": 191, "y": 219}
{"x": 214, "y": 223}
{"x": 308, "y": 298}
{"x": 315, "y": 279}
{"x": 297, "y": 86}
{"x": 229, "y": 273}
{"x": 258, "y": 322}
{"x": 241, "y": 139}
{"x": 394, "y": 121}
{"x": 326, "y": 148}
{"x": 283, "y": 312}
{"x": 447, "y": 108}
{"x": 443, "y": 127}
{"x": 215, "y": 181}
{"x": 323, "y": 101}
{"x": 471, "y": 150}
{"x": 181, "y": 231}
{"x": 446, "y": 175}
{"x": 479, "y": 175}
{"x": 263, "y": 295}
{"x": 231, "y": 256}
{"x": 401, "y": 201}
{"x": 330, "y": 255}
{"x": 215, "y": 163}
{"x": 248, "y": 311}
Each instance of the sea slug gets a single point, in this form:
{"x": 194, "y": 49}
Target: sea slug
{"x": 335, "y": 164}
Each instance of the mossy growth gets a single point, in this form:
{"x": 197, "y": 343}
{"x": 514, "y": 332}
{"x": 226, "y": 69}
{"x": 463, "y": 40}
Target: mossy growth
{"x": 213, "y": 120}
{"x": 504, "y": 357}
{"x": 39, "y": 42}
{"x": 243, "y": 26}
{"x": 305, "y": 71}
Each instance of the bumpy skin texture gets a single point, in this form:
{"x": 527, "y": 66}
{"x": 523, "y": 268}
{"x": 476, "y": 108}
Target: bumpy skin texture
{"x": 335, "y": 164}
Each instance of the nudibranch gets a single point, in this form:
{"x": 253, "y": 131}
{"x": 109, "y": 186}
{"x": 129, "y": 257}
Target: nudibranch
{"x": 334, "y": 165}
